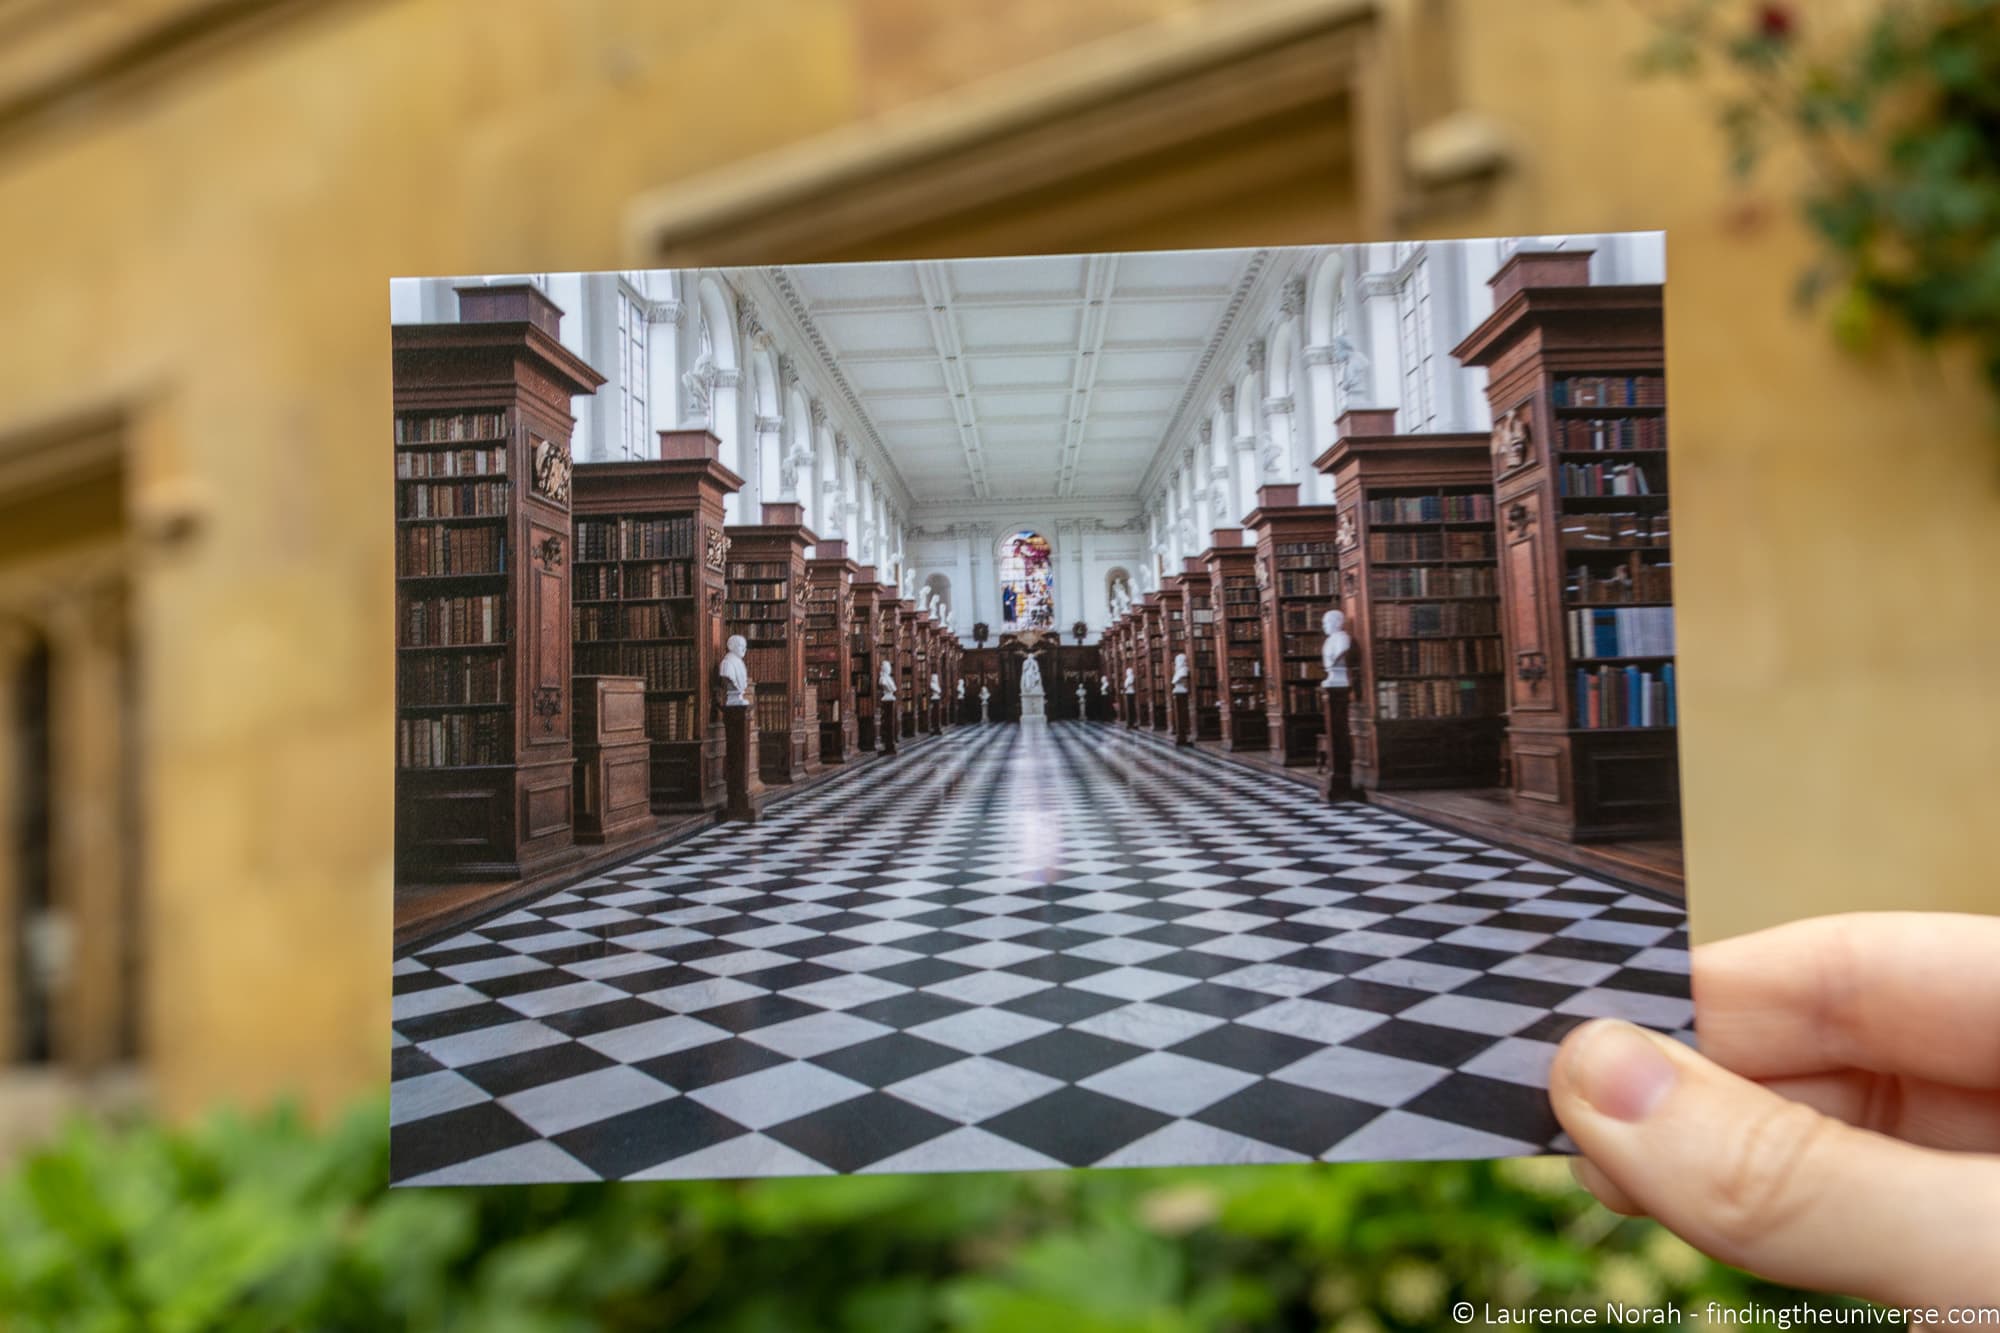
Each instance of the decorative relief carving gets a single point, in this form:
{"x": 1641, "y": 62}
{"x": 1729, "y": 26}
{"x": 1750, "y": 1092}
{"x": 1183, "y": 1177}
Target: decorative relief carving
{"x": 1346, "y": 533}
{"x": 1520, "y": 519}
{"x": 548, "y": 705}
{"x": 551, "y": 465}
{"x": 1531, "y": 667}
{"x": 549, "y": 552}
{"x": 716, "y": 554}
{"x": 1512, "y": 438}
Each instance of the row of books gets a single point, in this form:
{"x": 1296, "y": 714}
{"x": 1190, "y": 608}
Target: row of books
{"x": 1441, "y": 657}
{"x": 1320, "y": 583}
{"x": 1246, "y": 631}
{"x": 774, "y": 711}
{"x": 665, "y": 666}
{"x": 652, "y": 621}
{"x": 1610, "y": 531}
{"x": 459, "y": 499}
{"x": 416, "y": 429}
{"x": 1603, "y": 479}
{"x": 672, "y": 720}
{"x": 1303, "y": 669}
{"x": 759, "y": 569}
{"x": 1239, "y": 595}
{"x": 1443, "y": 581}
{"x": 1609, "y": 391}
{"x": 1324, "y": 560}
{"x": 1610, "y": 434}
{"x": 604, "y": 583}
{"x": 1430, "y": 546}
{"x": 1431, "y": 509}
{"x": 1400, "y": 700}
{"x": 1626, "y": 697}
{"x": 635, "y": 538}
{"x": 451, "y": 678}
{"x": 417, "y": 464}
{"x": 1300, "y": 619}
{"x": 1302, "y": 645}
{"x": 1282, "y": 549}
{"x": 453, "y": 740}
{"x": 1634, "y": 581}
{"x": 1404, "y": 619}
{"x": 1304, "y": 700}
{"x": 439, "y": 550}
{"x": 760, "y": 592}
{"x": 444, "y": 622}
{"x": 1246, "y": 668}
{"x": 739, "y": 610}
{"x": 1625, "y": 631}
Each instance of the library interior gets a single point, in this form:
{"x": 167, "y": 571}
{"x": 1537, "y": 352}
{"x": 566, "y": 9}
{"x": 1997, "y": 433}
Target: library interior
{"x": 1106, "y": 709}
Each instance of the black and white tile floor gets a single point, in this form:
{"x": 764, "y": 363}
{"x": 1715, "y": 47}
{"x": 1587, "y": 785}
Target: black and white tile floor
{"x": 1012, "y": 950}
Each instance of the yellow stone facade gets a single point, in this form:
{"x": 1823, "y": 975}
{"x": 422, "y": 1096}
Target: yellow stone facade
{"x": 202, "y": 253}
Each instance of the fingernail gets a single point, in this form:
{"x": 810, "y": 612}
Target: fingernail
{"x": 1619, "y": 1069}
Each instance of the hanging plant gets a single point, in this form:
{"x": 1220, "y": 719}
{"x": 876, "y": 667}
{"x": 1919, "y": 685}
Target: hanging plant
{"x": 1899, "y": 123}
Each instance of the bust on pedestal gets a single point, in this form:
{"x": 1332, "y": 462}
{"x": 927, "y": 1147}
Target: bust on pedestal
{"x": 737, "y": 768}
{"x": 1034, "y": 704}
{"x": 1131, "y": 700}
{"x": 1333, "y": 693}
{"x": 1180, "y": 700}
{"x": 887, "y": 682}
{"x": 985, "y": 698}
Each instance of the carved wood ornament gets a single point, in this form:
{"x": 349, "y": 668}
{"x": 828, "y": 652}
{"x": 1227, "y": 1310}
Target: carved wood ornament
{"x": 1512, "y": 438}
{"x": 552, "y": 468}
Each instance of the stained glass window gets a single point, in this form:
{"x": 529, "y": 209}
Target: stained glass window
{"x": 1027, "y": 583}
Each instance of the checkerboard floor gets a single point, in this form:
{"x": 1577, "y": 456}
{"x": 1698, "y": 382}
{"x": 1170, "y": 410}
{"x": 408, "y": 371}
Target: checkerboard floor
{"x": 1017, "y": 950}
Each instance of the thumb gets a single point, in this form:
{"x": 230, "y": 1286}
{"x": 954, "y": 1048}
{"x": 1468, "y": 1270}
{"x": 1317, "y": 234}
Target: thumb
{"x": 1772, "y": 1185}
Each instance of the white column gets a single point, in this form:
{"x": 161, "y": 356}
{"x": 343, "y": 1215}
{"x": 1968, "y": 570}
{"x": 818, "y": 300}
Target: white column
{"x": 770, "y": 440}
{"x": 663, "y": 375}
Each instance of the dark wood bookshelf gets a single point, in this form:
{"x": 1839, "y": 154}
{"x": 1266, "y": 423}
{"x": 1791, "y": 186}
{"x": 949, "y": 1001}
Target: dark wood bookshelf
{"x": 829, "y": 647}
{"x": 1573, "y": 372}
{"x": 1146, "y": 656}
{"x": 766, "y": 600}
{"x": 1197, "y": 597}
{"x": 1239, "y": 645}
{"x": 649, "y": 584}
{"x": 1171, "y": 639}
{"x": 1426, "y": 709}
{"x": 862, "y": 633}
{"x": 1296, "y": 577}
{"x": 481, "y": 443}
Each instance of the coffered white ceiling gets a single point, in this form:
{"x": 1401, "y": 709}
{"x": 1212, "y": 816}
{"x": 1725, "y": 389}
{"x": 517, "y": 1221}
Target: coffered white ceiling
{"x": 1023, "y": 379}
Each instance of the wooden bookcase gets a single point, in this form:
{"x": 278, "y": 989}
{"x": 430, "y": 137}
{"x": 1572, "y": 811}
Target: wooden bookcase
{"x": 647, "y": 583}
{"x": 829, "y": 646}
{"x": 1172, "y": 639}
{"x": 907, "y": 701}
{"x": 890, "y": 631}
{"x": 1146, "y": 655}
{"x": 1204, "y": 717}
{"x": 1576, "y": 380}
{"x": 1416, "y": 538}
{"x": 863, "y": 631}
{"x": 1239, "y": 646}
{"x": 921, "y": 638}
{"x": 766, "y": 604}
{"x": 1297, "y": 577}
{"x": 483, "y": 678}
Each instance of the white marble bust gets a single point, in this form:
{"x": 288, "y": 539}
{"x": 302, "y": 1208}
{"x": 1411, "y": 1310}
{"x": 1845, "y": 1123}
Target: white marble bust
{"x": 887, "y": 680}
{"x": 1103, "y": 686}
{"x": 1180, "y": 673}
{"x": 733, "y": 674}
{"x": 937, "y": 689}
{"x": 961, "y": 690}
{"x": 1334, "y": 650}
{"x": 984, "y": 695}
{"x": 1130, "y": 687}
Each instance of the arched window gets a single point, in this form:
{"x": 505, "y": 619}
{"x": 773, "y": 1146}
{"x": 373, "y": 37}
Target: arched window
{"x": 1027, "y": 582}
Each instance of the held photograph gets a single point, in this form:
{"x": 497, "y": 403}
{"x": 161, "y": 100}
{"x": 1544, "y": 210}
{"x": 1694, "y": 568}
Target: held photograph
{"x": 1095, "y": 710}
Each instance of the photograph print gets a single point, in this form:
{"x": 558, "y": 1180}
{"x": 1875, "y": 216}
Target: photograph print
{"x": 1022, "y": 713}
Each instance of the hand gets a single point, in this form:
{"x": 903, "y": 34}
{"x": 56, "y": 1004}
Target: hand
{"x": 1839, "y": 1130}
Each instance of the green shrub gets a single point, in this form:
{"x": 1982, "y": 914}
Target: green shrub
{"x": 264, "y": 1223}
